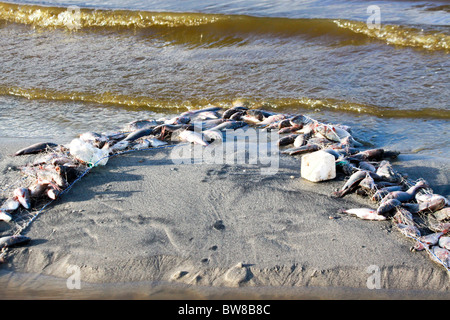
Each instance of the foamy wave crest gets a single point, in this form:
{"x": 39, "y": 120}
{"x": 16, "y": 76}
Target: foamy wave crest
{"x": 399, "y": 35}
{"x": 287, "y": 105}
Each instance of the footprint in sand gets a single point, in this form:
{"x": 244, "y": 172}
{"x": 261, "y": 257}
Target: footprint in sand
{"x": 237, "y": 275}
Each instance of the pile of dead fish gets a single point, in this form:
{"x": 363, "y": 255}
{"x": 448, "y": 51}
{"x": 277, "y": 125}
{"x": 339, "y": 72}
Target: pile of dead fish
{"x": 415, "y": 211}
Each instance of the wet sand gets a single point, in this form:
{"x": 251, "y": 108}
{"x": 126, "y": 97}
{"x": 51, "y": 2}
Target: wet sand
{"x": 215, "y": 230}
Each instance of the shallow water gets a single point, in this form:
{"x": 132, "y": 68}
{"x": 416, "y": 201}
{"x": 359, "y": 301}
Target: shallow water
{"x": 138, "y": 59}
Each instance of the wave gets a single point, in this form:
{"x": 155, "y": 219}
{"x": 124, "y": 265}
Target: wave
{"x": 75, "y": 18}
{"x": 136, "y": 102}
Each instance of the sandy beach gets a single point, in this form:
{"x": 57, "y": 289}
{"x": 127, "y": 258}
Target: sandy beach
{"x": 144, "y": 227}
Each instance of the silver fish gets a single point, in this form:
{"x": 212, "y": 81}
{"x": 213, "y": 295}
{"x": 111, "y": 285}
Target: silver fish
{"x": 36, "y": 148}
{"x": 444, "y": 242}
{"x": 364, "y": 165}
{"x": 155, "y": 142}
{"x": 140, "y": 124}
{"x": 388, "y": 205}
{"x": 428, "y": 240}
{"x": 368, "y": 183}
{"x": 380, "y": 194}
{"x": 5, "y": 216}
{"x": 387, "y": 172}
{"x": 365, "y": 213}
{"x": 212, "y": 135}
{"x": 327, "y": 132}
{"x": 408, "y": 195}
{"x": 23, "y": 196}
{"x": 12, "y": 240}
{"x": 434, "y": 203}
{"x": 442, "y": 214}
{"x": 119, "y": 146}
{"x": 351, "y": 184}
{"x": 192, "y": 137}
{"x": 442, "y": 254}
{"x": 10, "y": 205}
{"x": 300, "y": 140}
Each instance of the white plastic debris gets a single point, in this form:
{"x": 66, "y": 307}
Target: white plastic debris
{"x": 318, "y": 166}
{"x": 86, "y": 152}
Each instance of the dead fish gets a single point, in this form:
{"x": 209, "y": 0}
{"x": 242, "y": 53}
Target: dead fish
{"x": 442, "y": 214}
{"x": 346, "y": 167}
{"x": 365, "y": 213}
{"x": 408, "y": 230}
{"x": 193, "y": 113}
{"x": 178, "y": 120}
{"x": 411, "y": 207}
{"x": 36, "y": 148}
{"x": 138, "y": 134}
{"x": 212, "y": 135}
{"x": 115, "y": 136}
{"x": 9, "y": 241}
{"x": 272, "y": 119}
{"x": 50, "y": 174}
{"x": 232, "y": 125}
{"x": 426, "y": 197}
{"x": 139, "y": 124}
{"x": 46, "y": 158}
{"x": 440, "y": 255}
{"x": 254, "y": 116}
{"x": 10, "y": 205}
{"x": 381, "y": 193}
{"x": 444, "y": 242}
{"x": 300, "y": 120}
{"x": 118, "y": 146}
{"x": 308, "y": 128}
{"x": 284, "y": 124}
{"x": 53, "y": 191}
{"x": 301, "y": 140}
{"x": 94, "y": 138}
{"x": 284, "y": 141}
{"x": 403, "y": 216}
{"x": 228, "y": 113}
{"x": 408, "y": 195}
{"x": 23, "y": 196}
{"x": 387, "y": 172}
{"x": 368, "y": 184}
{"x": 368, "y": 155}
{"x": 333, "y": 152}
{"x": 364, "y": 165}
{"x": 5, "y": 216}
{"x": 237, "y": 116}
{"x": 289, "y": 129}
{"x": 385, "y": 184}
{"x": 351, "y": 184}
{"x": 428, "y": 240}
{"x": 438, "y": 226}
{"x": 327, "y": 132}
{"x": 304, "y": 149}
{"x": 259, "y": 113}
{"x": 192, "y": 137}
{"x": 388, "y": 205}
{"x": 434, "y": 203}
{"x": 155, "y": 142}
{"x": 143, "y": 144}
{"x": 38, "y": 189}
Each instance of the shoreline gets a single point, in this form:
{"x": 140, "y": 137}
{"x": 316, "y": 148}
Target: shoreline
{"x": 277, "y": 230}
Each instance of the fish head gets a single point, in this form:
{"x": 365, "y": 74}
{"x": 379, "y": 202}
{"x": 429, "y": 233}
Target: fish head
{"x": 23, "y": 196}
